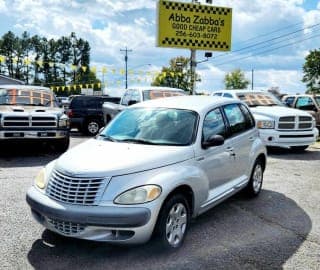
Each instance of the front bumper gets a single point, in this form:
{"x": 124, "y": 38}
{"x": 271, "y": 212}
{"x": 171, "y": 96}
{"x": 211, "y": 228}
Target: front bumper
{"x": 100, "y": 223}
{"x": 33, "y": 134}
{"x": 287, "y": 139}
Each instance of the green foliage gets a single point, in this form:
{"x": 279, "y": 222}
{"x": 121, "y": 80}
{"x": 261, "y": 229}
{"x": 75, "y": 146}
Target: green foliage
{"x": 51, "y": 59}
{"x": 311, "y": 70}
{"x": 177, "y": 75}
{"x": 236, "y": 80}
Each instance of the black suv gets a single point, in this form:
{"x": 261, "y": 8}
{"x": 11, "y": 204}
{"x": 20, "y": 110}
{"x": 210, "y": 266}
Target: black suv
{"x": 85, "y": 113}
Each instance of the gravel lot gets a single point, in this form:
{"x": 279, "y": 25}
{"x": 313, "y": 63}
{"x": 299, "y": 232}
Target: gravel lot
{"x": 279, "y": 229}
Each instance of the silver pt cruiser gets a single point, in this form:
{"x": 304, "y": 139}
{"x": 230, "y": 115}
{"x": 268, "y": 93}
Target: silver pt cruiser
{"x": 153, "y": 168}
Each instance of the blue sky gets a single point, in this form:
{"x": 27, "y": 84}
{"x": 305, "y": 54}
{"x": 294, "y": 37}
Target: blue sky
{"x": 110, "y": 26}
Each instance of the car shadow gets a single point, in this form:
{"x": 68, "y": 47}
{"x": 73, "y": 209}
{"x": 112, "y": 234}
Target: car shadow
{"x": 30, "y": 154}
{"x": 311, "y": 153}
{"x": 260, "y": 233}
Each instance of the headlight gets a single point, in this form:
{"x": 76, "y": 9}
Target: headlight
{"x": 64, "y": 121}
{"x": 138, "y": 195}
{"x": 41, "y": 179}
{"x": 265, "y": 124}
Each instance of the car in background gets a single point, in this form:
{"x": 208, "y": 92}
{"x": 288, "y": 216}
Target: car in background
{"x": 138, "y": 94}
{"x": 32, "y": 113}
{"x": 158, "y": 164}
{"x": 308, "y": 103}
{"x": 85, "y": 112}
{"x": 279, "y": 125}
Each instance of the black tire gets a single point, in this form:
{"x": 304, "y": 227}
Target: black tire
{"x": 299, "y": 148}
{"x": 254, "y": 186}
{"x": 92, "y": 127}
{"x": 181, "y": 222}
{"x": 62, "y": 145}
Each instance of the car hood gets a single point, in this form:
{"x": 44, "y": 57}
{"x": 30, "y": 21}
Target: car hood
{"x": 29, "y": 109}
{"x": 105, "y": 158}
{"x": 276, "y": 112}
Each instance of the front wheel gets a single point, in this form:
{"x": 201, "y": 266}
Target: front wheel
{"x": 255, "y": 183}
{"x": 173, "y": 222}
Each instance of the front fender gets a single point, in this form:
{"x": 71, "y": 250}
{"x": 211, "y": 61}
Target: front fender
{"x": 168, "y": 178}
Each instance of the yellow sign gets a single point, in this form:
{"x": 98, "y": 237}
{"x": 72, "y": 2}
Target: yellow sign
{"x": 194, "y": 26}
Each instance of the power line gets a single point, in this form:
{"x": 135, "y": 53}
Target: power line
{"x": 268, "y": 45}
{"x": 269, "y": 33}
{"x": 273, "y": 49}
{"x": 269, "y": 40}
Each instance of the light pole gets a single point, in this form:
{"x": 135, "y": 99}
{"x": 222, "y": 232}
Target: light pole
{"x": 126, "y": 64}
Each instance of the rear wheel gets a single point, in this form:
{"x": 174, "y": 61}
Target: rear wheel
{"x": 173, "y": 222}
{"x": 92, "y": 127}
{"x": 255, "y": 183}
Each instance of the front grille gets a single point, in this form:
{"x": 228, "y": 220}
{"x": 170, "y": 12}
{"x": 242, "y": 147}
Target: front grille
{"x": 25, "y": 121}
{"x": 295, "y": 123}
{"x": 66, "y": 227}
{"x": 75, "y": 190}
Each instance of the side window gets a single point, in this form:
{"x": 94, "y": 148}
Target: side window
{"x": 304, "y": 101}
{"x": 236, "y": 118}
{"x": 227, "y": 95}
{"x": 126, "y": 97}
{"x": 250, "y": 122}
{"x": 135, "y": 96}
{"x": 289, "y": 101}
{"x": 213, "y": 124}
{"x": 217, "y": 94}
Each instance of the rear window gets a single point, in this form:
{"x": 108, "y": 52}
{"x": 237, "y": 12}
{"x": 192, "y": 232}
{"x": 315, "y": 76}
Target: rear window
{"x": 155, "y": 94}
{"x": 258, "y": 99}
{"x": 85, "y": 102}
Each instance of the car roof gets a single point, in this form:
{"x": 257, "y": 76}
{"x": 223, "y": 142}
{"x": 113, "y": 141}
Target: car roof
{"x": 159, "y": 88}
{"x": 194, "y": 103}
{"x": 21, "y": 87}
{"x": 236, "y": 91}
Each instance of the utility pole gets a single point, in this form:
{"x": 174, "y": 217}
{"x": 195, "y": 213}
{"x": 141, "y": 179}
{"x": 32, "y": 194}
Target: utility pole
{"x": 193, "y": 64}
{"x": 126, "y": 64}
{"x": 252, "y": 71}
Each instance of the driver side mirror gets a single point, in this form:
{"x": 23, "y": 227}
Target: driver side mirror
{"x": 131, "y": 102}
{"x": 213, "y": 140}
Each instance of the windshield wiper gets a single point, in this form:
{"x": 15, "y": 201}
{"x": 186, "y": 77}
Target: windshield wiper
{"x": 139, "y": 141}
{"x": 107, "y": 138}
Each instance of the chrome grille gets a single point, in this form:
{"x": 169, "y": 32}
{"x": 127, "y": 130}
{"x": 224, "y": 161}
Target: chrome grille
{"x": 66, "y": 227}
{"x": 295, "y": 123}
{"x": 25, "y": 121}
{"x": 75, "y": 190}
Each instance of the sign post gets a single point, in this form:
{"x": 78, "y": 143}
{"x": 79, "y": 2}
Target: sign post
{"x": 194, "y": 26}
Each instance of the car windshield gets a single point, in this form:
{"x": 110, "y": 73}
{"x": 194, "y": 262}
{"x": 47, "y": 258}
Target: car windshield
{"x": 155, "y": 94}
{"x": 254, "y": 99}
{"x": 29, "y": 97}
{"x": 158, "y": 126}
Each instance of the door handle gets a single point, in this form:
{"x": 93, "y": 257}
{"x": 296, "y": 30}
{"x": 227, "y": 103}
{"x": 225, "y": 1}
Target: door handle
{"x": 231, "y": 151}
{"x": 251, "y": 138}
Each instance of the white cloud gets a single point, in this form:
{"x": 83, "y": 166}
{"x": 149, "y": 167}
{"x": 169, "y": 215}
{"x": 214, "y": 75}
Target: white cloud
{"x": 3, "y": 7}
{"x": 132, "y": 24}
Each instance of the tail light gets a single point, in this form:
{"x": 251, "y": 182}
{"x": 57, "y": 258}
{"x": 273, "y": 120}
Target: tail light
{"x": 70, "y": 113}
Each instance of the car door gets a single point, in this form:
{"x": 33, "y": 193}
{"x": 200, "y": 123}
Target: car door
{"x": 241, "y": 136}
{"x": 216, "y": 162}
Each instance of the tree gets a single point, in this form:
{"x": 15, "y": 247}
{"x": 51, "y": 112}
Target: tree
{"x": 177, "y": 75}
{"x": 311, "y": 70}
{"x": 235, "y": 80}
